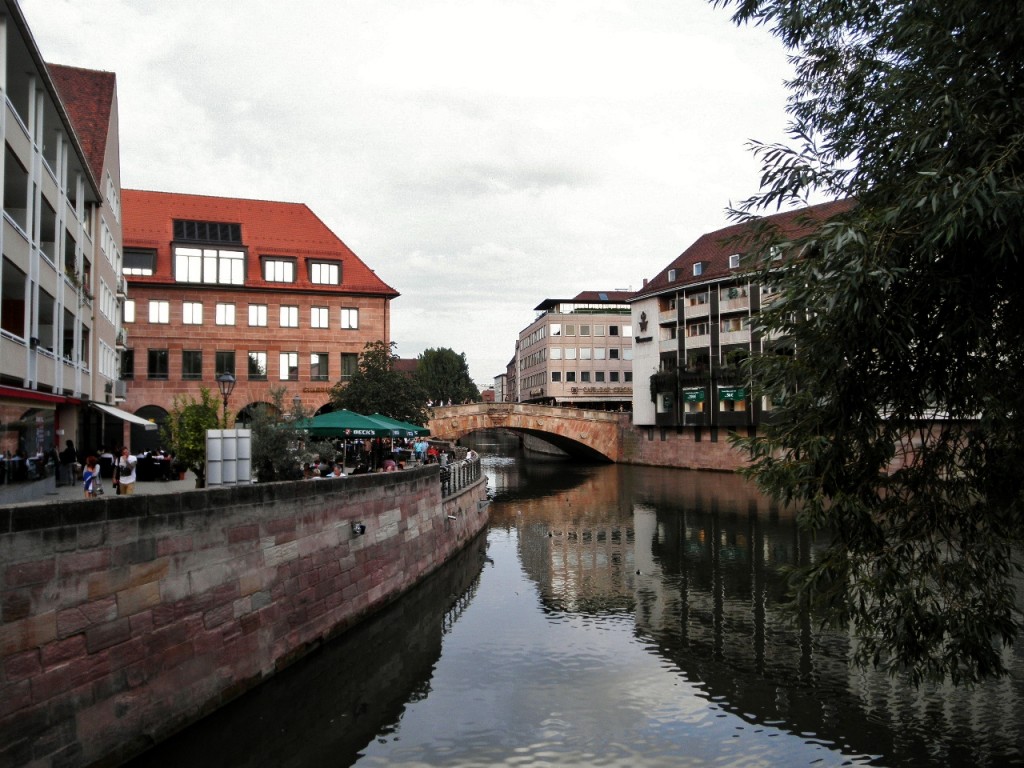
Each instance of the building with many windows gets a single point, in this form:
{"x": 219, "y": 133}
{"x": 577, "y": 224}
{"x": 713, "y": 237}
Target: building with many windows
{"x": 577, "y": 352}
{"x": 692, "y": 328}
{"x": 60, "y": 240}
{"x": 260, "y": 290}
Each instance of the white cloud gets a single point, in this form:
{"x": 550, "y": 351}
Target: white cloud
{"x": 479, "y": 155}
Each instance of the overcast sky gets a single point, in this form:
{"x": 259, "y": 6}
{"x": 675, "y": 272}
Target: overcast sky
{"x": 480, "y": 155}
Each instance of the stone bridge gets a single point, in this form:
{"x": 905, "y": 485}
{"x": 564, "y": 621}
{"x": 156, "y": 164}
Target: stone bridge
{"x": 579, "y": 432}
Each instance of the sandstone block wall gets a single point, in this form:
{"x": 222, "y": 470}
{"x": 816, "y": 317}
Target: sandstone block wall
{"x": 124, "y": 618}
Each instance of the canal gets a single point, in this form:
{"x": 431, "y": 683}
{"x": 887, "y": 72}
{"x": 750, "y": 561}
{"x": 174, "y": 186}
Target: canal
{"x": 611, "y": 616}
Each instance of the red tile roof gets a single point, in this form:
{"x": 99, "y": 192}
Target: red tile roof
{"x": 268, "y": 229}
{"x": 714, "y": 248}
{"x": 88, "y": 96}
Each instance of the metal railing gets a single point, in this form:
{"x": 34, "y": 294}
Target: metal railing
{"x": 458, "y": 475}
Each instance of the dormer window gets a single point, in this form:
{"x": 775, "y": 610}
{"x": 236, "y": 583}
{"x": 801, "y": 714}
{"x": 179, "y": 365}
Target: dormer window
{"x": 671, "y": 275}
{"x": 734, "y": 261}
{"x": 698, "y": 269}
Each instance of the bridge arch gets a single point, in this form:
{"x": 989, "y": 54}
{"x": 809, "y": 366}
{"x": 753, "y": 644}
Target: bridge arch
{"x": 579, "y": 432}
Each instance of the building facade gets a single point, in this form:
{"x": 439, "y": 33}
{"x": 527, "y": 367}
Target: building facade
{"x": 60, "y": 240}
{"x": 260, "y": 290}
{"x": 692, "y": 328}
{"x": 578, "y": 352}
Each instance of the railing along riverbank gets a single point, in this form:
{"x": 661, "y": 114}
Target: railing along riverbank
{"x": 459, "y": 475}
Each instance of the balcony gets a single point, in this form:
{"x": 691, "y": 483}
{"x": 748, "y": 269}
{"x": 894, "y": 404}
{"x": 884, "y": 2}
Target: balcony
{"x": 122, "y": 287}
{"x": 122, "y": 340}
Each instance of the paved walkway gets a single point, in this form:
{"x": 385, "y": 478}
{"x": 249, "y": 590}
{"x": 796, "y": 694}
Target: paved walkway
{"x": 75, "y": 492}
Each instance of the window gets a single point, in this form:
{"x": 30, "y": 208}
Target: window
{"x": 555, "y": 329}
{"x": 613, "y": 376}
{"x": 627, "y": 330}
{"x": 159, "y": 311}
{"x": 129, "y": 311}
{"x": 208, "y": 265}
{"x": 258, "y": 366}
{"x": 599, "y": 330}
{"x": 324, "y": 273}
{"x": 319, "y": 317}
{"x": 570, "y": 376}
{"x": 613, "y": 354}
{"x": 128, "y": 364}
{"x": 279, "y": 270}
{"x": 671, "y": 275}
{"x": 584, "y": 330}
{"x": 556, "y": 376}
{"x": 599, "y": 353}
{"x": 349, "y": 318}
{"x": 731, "y": 324}
{"x": 191, "y": 313}
{"x": 157, "y": 364}
{"x": 349, "y": 365}
{"x": 584, "y": 377}
{"x": 207, "y": 231}
{"x": 318, "y": 366}
{"x": 734, "y": 261}
{"x": 698, "y": 269}
{"x": 570, "y": 353}
{"x": 585, "y": 353}
{"x": 225, "y": 363}
{"x": 139, "y": 261}
{"x": 570, "y": 329}
{"x": 627, "y": 354}
{"x": 289, "y": 366}
{"x": 191, "y": 364}
{"x": 613, "y": 330}
{"x": 627, "y": 376}
{"x": 289, "y": 317}
{"x": 599, "y": 377}
{"x": 555, "y": 353}
{"x": 225, "y": 314}
{"x": 258, "y": 315}
{"x": 697, "y": 329}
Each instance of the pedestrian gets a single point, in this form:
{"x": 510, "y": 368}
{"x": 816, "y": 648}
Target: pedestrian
{"x": 126, "y": 472}
{"x": 90, "y": 477}
{"x": 68, "y": 459}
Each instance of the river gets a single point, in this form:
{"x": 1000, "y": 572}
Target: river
{"x": 611, "y": 616}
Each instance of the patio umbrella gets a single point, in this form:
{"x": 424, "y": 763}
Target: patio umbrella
{"x": 400, "y": 428}
{"x": 343, "y": 424}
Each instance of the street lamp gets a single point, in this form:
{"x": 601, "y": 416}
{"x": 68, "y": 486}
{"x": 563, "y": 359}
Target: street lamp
{"x": 296, "y": 405}
{"x": 226, "y": 384}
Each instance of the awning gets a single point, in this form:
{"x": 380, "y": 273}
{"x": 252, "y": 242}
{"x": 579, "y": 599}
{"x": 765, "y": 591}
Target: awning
{"x": 131, "y": 417}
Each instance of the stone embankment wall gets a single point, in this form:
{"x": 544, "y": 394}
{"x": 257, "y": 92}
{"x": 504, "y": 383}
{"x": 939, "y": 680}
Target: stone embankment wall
{"x": 123, "y": 619}
{"x": 680, "y": 447}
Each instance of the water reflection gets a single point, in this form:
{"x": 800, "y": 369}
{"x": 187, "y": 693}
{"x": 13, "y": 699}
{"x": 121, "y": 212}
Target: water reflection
{"x": 699, "y": 560}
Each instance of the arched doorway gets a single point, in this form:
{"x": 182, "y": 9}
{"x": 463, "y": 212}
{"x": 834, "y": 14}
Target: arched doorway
{"x": 143, "y": 439}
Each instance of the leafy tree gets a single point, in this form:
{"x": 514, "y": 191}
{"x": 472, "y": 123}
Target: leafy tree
{"x": 376, "y": 387}
{"x": 185, "y": 430}
{"x": 279, "y": 449}
{"x": 897, "y": 424}
{"x": 444, "y": 375}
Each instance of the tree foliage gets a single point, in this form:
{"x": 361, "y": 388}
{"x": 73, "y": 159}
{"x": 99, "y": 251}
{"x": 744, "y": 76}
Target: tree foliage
{"x": 444, "y": 375}
{"x": 376, "y": 387}
{"x": 185, "y": 430}
{"x": 279, "y": 449}
{"x": 897, "y": 424}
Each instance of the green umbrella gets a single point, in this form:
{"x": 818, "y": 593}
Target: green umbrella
{"x": 399, "y": 428}
{"x": 343, "y": 424}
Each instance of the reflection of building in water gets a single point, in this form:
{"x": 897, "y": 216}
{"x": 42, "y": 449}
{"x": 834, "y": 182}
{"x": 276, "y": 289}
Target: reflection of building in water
{"x": 704, "y": 572}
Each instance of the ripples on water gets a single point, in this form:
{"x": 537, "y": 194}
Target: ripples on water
{"x": 619, "y": 617}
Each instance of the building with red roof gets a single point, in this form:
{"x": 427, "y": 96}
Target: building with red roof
{"x": 61, "y": 234}
{"x": 577, "y": 352}
{"x": 259, "y": 290}
{"x": 692, "y": 326}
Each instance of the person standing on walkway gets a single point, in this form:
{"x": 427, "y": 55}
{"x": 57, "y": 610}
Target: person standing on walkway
{"x": 91, "y": 477}
{"x": 126, "y": 472}
{"x": 68, "y": 459}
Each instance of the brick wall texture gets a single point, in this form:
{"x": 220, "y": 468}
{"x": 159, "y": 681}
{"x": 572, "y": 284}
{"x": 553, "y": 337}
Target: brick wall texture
{"x": 122, "y": 619}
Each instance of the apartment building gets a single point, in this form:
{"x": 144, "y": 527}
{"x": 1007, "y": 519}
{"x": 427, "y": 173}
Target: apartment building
{"x": 262, "y": 291}
{"x": 577, "y": 352}
{"x": 692, "y": 328}
{"x": 60, "y": 242}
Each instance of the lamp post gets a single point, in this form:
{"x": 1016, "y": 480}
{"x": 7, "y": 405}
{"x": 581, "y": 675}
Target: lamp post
{"x": 296, "y": 405}
{"x": 226, "y": 384}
